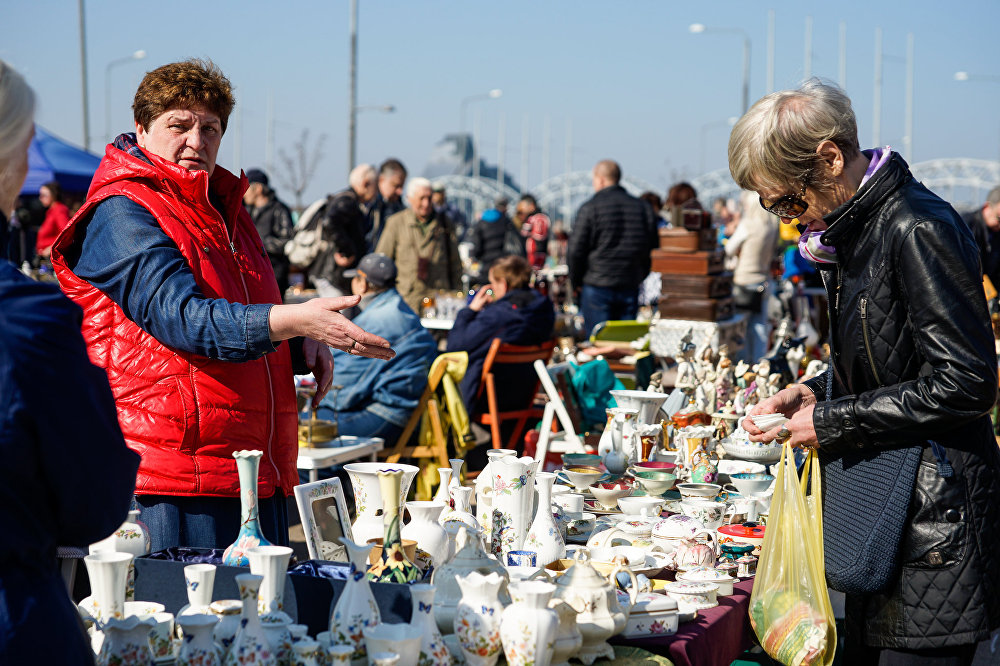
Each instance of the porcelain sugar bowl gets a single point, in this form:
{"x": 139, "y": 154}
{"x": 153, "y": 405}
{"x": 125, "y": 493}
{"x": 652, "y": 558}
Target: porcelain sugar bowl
{"x": 599, "y": 615}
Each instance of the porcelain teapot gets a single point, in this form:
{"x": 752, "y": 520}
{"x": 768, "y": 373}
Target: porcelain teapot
{"x": 599, "y": 615}
{"x": 703, "y": 468}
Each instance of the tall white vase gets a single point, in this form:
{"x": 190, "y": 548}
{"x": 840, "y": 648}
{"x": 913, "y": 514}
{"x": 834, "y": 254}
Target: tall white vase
{"x": 477, "y": 618}
{"x": 513, "y": 481}
{"x": 197, "y": 647}
{"x": 108, "y": 572}
{"x": 484, "y": 488}
{"x": 442, "y": 494}
{"x": 433, "y": 651}
{"x": 426, "y": 531}
{"x": 250, "y": 535}
{"x": 200, "y": 582}
{"x": 271, "y": 562}
{"x": 527, "y": 627}
{"x": 368, "y": 496}
{"x": 355, "y": 608}
{"x": 462, "y": 512}
{"x": 250, "y": 647}
{"x": 543, "y": 536}
{"x": 456, "y": 473}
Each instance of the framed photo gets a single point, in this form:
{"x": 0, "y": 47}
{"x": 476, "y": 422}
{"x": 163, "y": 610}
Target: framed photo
{"x": 324, "y": 515}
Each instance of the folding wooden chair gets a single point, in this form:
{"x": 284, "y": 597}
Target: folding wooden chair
{"x": 439, "y": 450}
{"x": 500, "y": 354}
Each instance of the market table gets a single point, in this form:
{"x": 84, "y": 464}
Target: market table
{"x": 314, "y": 459}
{"x": 717, "y": 637}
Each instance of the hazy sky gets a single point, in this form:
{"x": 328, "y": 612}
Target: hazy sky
{"x": 628, "y": 75}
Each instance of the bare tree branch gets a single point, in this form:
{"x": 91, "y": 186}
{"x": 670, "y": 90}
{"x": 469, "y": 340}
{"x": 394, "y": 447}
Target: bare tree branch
{"x": 299, "y": 168}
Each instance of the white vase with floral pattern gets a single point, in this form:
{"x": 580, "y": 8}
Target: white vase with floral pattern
{"x": 484, "y": 489}
{"x": 250, "y": 647}
{"x": 477, "y": 618}
{"x": 199, "y": 580}
{"x": 433, "y": 651}
{"x": 462, "y": 511}
{"x": 368, "y": 496}
{"x": 126, "y": 642}
{"x": 544, "y": 536}
{"x": 426, "y": 531}
{"x": 528, "y": 628}
{"x": 197, "y": 647}
{"x": 513, "y": 481}
{"x": 108, "y": 572}
{"x": 355, "y": 608}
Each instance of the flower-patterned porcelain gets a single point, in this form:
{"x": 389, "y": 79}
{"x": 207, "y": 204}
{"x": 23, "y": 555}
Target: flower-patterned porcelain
{"x": 426, "y": 531}
{"x": 271, "y": 562}
{"x": 692, "y": 596}
{"x": 652, "y": 615}
{"x": 393, "y": 565}
{"x": 568, "y": 638}
{"x": 544, "y": 536}
{"x": 433, "y": 651}
{"x": 307, "y": 653}
{"x": 197, "y": 647}
{"x": 126, "y": 642}
{"x": 746, "y": 566}
{"x": 199, "y": 580}
{"x": 228, "y": 611}
{"x": 636, "y": 532}
{"x": 528, "y": 628}
{"x": 275, "y": 625}
{"x": 677, "y": 527}
{"x": 402, "y": 639}
{"x": 706, "y": 575}
{"x": 368, "y": 496}
{"x": 247, "y": 466}
{"x": 132, "y": 537}
{"x": 250, "y": 647}
{"x": 461, "y": 497}
{"x": 108, "y": 572}
{"x": 470, "y": 558}
{"x": 338, "y": 655}
{"x": 355, "y": 608}
{"x": 161, "y": 636}
{"x": 513, "y": 481}
{"x": 477, "y": 618}
{"x": 484, "y": 488}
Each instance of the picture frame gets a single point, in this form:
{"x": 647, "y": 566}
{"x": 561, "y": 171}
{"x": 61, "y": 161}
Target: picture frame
{"x": 324, "y": 515}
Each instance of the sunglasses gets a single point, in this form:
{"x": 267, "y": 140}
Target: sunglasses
{"x": 788, "y": 207}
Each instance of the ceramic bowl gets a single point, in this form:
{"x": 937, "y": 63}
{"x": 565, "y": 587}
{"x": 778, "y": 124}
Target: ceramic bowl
{"x": 750, "y": 483}
{"x": 629, "y": 556}
{"x": 698, "y": 489}
{"x": 706, "y": 575}
{"x": 692, "y": 596}
{"x": 577, "y": 459}
{"x": 582, "y": 476}
{"x": 633, "y": 505}
{"x": 655, "y": 483}
{"x": 608, "y": 494}
{"x": 747, "y": 450}
{"x": 654, "y": 466}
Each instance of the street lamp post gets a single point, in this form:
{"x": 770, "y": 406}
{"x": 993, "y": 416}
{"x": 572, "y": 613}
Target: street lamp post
{"x": 698, "y": 28}
{"x": 353, "y": 130}
{"x": 137, "y": 55}
{"x": 493, "y": 94}
{"x": 987, "y": 78}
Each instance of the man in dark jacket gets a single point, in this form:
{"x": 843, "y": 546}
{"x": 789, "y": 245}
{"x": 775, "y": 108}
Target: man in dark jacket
{"x": 388, "y": 200}
{"x": 985, "y": 225}
{"x": 493, "y": 237}
{"x": 609, "y": 249}
{"x": 273, "y": 221}
{"x": 344, "y": 230}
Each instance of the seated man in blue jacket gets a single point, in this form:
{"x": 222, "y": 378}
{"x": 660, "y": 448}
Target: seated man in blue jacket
{"x": 377, "y": 398}
{"x": 510, "y": 310}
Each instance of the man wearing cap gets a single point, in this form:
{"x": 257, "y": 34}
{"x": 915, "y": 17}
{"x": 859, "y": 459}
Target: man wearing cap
{"x": 273, "y": 221}
{"x": 377, "y": 398}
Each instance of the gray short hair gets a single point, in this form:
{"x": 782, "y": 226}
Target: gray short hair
{"x": 413, "y": 184}
{"x": 17, "y": 115}
{"x": 773, "y": 146}
{"x": 360, "y": 175}
{"x": 993, "y": 198}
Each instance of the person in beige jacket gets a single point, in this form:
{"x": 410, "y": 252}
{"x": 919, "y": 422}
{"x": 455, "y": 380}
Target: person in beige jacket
{"x": 423, "y": 246}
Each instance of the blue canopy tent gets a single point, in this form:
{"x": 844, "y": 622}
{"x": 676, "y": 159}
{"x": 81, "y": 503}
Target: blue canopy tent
{"x": 51, "y": 158}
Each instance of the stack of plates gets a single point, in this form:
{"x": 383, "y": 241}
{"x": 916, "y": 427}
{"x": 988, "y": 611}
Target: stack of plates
{"x": 769, "y": 421}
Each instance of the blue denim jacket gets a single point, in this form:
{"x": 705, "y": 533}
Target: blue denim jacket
{"x": 128, "y": 256}
{"x": 391, "y": 389}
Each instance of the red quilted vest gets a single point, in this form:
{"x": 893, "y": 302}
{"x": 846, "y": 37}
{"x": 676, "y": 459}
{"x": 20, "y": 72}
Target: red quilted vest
{"x": 186, "y": 414}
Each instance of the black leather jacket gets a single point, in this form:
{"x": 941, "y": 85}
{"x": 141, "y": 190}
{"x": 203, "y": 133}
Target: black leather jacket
{"x": 914, "y": 361}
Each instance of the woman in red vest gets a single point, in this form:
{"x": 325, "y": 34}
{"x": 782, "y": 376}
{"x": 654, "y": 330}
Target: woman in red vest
{"x": 182, "y": 310}
{"x": 56, "y": 217}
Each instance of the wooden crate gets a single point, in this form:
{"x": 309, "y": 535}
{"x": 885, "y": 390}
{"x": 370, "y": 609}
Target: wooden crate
{"x": 687, "y": 263}
{"x": 696, "y": 309}
{"x": 697, "y": 286}
{"x": 682, "y": 240}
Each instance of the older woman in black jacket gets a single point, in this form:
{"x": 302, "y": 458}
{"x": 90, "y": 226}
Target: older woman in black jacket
{"x": 901, "y": 419}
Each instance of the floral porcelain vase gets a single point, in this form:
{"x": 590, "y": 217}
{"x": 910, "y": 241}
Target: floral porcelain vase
{"x": 544, "y": 536}
{"x": 484, "y": 488}
{"x": 426, "y": 531}
{"x": 199, "y": 579}
{"x": 108, "y": 572}
{"x": 462, "y": 511}
{"x": 271, "y": 562}
{"x": 471, "y": 557}
{"x": 528, "y": 628}
{"x": 513, "y": 481}
{"x": 355, "y": 608}
{"x": 247, "y": 466}
{"x": 368, "y": 496}
{"x": 250, "y": 647}
{"x": 394, "y": 567}
{"x": 433, "y": 651}
{"x": 568, "y": 639}
{"x": 132, "y": 537}
{"x": 477, "y": 618}
{"x": 197, "y": 647}
{"x": 126, "y": 642}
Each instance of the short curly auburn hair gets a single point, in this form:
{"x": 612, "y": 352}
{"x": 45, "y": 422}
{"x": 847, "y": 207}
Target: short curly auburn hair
{"x": 183, "y": 85}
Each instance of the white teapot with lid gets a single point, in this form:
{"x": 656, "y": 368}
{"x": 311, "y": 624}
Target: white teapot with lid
{"x": 593, "y": 597}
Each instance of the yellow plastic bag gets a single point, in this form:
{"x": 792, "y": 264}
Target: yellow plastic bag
{"x": 790, "y": 605}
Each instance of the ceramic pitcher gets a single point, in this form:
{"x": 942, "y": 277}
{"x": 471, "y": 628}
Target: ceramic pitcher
{"x": 426, "y": 531}
{"x": 513, "y": 479}
{"x": 433, "y": 651}
{"x": 477, "y": 618}
{"x": 394, "y": 567}
{"x": 247, "y": 467}
{"x": 470, "y": 558}
{"x": 528, "y": 627}
{"x": 368, "y": 496}
{"x": 126, "y": 642}
{"x": 355, "y": 608}
{"x": 544, "y": 536}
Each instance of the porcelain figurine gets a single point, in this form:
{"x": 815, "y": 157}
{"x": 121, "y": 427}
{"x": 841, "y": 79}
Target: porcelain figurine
{"x": 513, "y": 481}
{"x": 355, "y": 608}
{"x": 197, "y": 647}
{"x": 544, "y": 536}
{"x": 126, "y": 642}
{"x": 250, "y": 646}
{"x": 477, "y": 618}
{"x": 528, "y": 628}
{"x": 426, "y": 531}
{"x": 368, "y": 496}
{"x": 393, "y": 567}
{"x": 247, "y": 467}
{"x": 470, "y": 558}
{"x": 568, "y": 639}
{"x": 433, "y": 651}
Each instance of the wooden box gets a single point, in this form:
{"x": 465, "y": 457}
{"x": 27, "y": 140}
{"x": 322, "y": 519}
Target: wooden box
{"x": 697, "y": 286}
{"x": 696, "y": 309}
{"x": 682, "y": 240}
{"x": 687, "y": 263}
